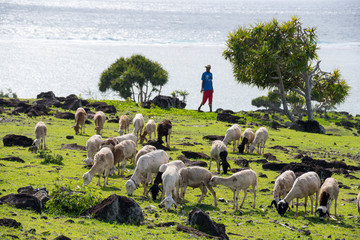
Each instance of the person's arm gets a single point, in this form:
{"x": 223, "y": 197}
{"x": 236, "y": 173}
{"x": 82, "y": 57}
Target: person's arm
{"x": 202, "y": 86}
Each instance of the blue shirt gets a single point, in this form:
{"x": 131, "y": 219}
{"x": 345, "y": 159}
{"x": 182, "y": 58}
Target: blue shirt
{"x": 207, "y": 78}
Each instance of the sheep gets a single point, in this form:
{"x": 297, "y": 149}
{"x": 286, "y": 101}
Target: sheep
{"x": 99, "y": 120}
{"x": 92, "y": 147}
{"x": 144, "y": 150}
{"x": 40, "y": 133}
{"x": 139, "y": 123}
{"x": 261, "y": 135}
{"x": 146, "y": 166}
{"x": 306, "y": 185}
{"x": 329, "y": 191}
{"x": 149, "y": 129}
{"x": 282, "y": 186}
{"x": 109, "y": 143}
{"x": 196, "y": 177}
{"x": 80, "y": 118}
{"x": 129, "y": 136}
{"x": 124, "y": 123}
{"x": 247, "y": 137}
{"x": 164, "y": 128}
{"x": 219, "y": 153}
{"x": 154, "y": 189}
{"x": 103, "y": 161}
{"x": 122, "y": 151}
{"x": 170, "y": 179}
{"x": 233, "y": 134}
{"x": 358, "y": 203}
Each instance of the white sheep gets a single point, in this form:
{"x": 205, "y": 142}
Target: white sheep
{"x": 238, "y": 181}
{"x": 92, "y": 147}
{"x": 233, "y": 134}
{"x": 306, "y": 185}
{"x": 103, "y": 162}
{"x": 247, "y": 137}
{"x": 329, "y": 191}
{"x": 164, "y": 128}
{"x": 219, "y": 152}
{"x": 138, "y": 123}
{"x": 147, "y": 165}
{"x": 170, "y": 179}
{"x": 122, "y": 151}
{"x": 129, "y": 136}
{"x": 358, "y": 203}
{"x": 282, "y": 186}
{"x": 99, "y": 119}
{"x": 40, "y": 134}
{"x": 124, "y": 123}
{"x": 149, "y": 129}
{"x": 144, "y": 150}
{"x": 196, "y": 177}
{"x": 261, "y": 135}
{"x": 80, "y": 118}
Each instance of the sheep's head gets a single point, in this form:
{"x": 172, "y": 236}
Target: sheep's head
{"x": 168, "y": 202}
{"x": 241, "y": 148}
{"x": 88, "y": 161}
{"x": 121, "y": 132}
{"x": 323, "y": 211}
{"x": 154, "y": 190}
{"x": 130, "y": 187}
{"x": 86, "y": 178}
{"x": 37, "y": 143}
{"x": 252, "y": 148}
{"x": 282, "y": 206}
{"x": 213, "y": 181}
{"x": 273, "y": 203}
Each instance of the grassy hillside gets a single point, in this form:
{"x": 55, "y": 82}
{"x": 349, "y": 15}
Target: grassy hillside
{"x": 188, "y": 127}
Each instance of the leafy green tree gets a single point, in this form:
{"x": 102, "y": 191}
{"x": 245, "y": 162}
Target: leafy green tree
{"x": 279, "y": 57}
{"x": 136, "y": 77}
{"x": 271, "y": 102}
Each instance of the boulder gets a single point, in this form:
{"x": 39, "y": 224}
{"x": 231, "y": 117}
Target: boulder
{"x": 72, "y": 102}
{"x": 48, "y": 95}
{"x": 226, "y": 117}
{"x": 106, "y": 109}
{"x": 17, "y": 140}
{"x": 189, "y": 163}
{"x": 22, "y": 201}
{"x": 165, "y": 102}
{"x": 117, "y": 208}
{"x": 48, "y": 102}
{"x": 195, "y": 155}
{"x": 62, "y": 237}
{"x": 65, "y": 115}
{"x": 157, "y": 145}
{"x": 13, "y": 159}
{"x": 213, "y": 137}
{"x": 311, "y": 126}
{"x": 6, "y": 222}
{"x": 40, "y": 193}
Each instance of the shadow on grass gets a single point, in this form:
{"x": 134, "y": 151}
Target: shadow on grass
{"x": 339, "y": 222}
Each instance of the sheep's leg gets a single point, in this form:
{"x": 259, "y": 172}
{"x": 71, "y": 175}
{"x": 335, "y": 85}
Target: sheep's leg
{"x": 235, "y": 199}
{"x": 306, "y": 197}
{"x": 316, "y": 200}
{"x": 98, "y": 182}
{"x": 123, "y": 166}
{"x": 213, "y": 193}
{"x": 312, "y": 202}
{"x": 245, "y": 193}
{"x": 203, "y": 193}
{"x": 182, "y": 193}
{"x": 254, "y": 190}
{"x": 234, "y": 143}
{"x": 210, "y": 163}
{"x": 297, "y": 205}
{"x": 118, "y": 165}
{"x": 218, "y": 165}
{"x": 335, "y": 206}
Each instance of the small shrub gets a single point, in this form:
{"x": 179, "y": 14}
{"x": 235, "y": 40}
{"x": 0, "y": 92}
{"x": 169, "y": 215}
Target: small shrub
{"x": 51, "y": 159}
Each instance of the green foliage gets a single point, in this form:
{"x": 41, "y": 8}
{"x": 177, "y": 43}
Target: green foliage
{"x": 8, "y": 94}
{"x": 51, "y": 159}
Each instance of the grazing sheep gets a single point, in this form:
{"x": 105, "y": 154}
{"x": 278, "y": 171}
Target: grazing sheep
{"x": 238, "y": 181}
{"x": 261, "y": 135}
{"x": 170, "y": 179}
{"x": 282, "y": 186}
{"x": 304, "y": 186}
{"x": 138, "y": 123}
{"x": 150, "y": 128}
{"x": 146, "y": 149}
{"x": 40, "y": 133}
{"x": 164, "y": 128}
{"x": 196, "y": 177}
{"x": 80, "y": 118}
{"x": 92, "y": 147}
{"x": 219, "y": 153}
{"x": 247, "y": 137}
{"x": 124, "y": 124}
{"x": 358, "y": 203}
{"x": 109, "y": 143}
{"x": 129, "y": 136}
{"x": 103, "y": 161}
{"x": 146, "y": 166}
{"x": 122, "y": 151}
{"x": 233, "y": 134}
{"x": 329, "y": 191}
{"x": 99, "y": 120}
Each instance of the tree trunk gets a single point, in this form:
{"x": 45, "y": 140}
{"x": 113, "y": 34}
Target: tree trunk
{"x": 308, "y": 88}
{"x": 283, "y": 96}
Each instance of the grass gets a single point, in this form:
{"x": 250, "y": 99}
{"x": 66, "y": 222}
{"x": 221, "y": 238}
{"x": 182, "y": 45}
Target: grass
{"x": 188, "y": 127}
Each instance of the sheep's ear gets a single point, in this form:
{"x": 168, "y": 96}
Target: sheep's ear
{"x": 317, "y": 210}
{"x": 273, "y": 203}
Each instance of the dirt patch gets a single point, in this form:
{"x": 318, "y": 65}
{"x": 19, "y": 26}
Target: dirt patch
{"x": 73, "y": 146}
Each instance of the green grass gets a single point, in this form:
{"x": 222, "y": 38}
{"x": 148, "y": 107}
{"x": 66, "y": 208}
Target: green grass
{"x": 188, "y": 127}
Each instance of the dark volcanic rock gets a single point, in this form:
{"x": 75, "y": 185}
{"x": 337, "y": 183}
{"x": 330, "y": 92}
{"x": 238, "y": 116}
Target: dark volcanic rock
{"x": 17, "y": 140}
{"x": 195, "y": 155}
{"x": 40, "y": 193}
{"x": 23, "y": 201}
{"x": 62, "y": 237}
{"x": 49, "y": 94}
{"x": 213, "y": 137}
{"x": 73, "y": 146}
{"x": 165, "y": 102}
{"x": 117, "y": 208}
{"x": 307, "y": 126}
{"x": 270, "y": 157}
{"x": 157, "y": 145}
{"x": 6, "y": 222}
{"x": 242, "y": 163}
{"x": 226, "y": 117}
{"x": 106, "y": 109}
{"x": 13, "y": 159}
{"x": 72, "y": 102}
{"x": 189, "y": 163}
{"x": 65, "y": 115}
{"x": 274, "y": 166}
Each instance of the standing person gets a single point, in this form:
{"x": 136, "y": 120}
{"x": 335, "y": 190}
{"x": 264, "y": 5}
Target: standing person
{"x": 207, "y": 87}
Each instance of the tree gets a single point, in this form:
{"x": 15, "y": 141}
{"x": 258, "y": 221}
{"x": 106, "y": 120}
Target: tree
{"x": 133, "y": 76}
{"x": 278, "y": 57}
{"x": 271, "y": 101}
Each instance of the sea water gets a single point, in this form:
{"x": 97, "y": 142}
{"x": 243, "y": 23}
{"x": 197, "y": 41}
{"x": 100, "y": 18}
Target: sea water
{"x": 64, "y": 46}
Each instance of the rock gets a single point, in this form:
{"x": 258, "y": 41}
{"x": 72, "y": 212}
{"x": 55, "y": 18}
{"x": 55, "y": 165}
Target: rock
{"x": 106, "y": 109}
{"x": 278, "y": 147}
{"x": 307, "y": 126}
{"x": 73, "y": 146}
{"x": 242, "y": 163}
{"x": 226, "y": 117}
{"x": 13, "y": 159}
{"x": 191, "y": 163}
{"x": 40, "y": 193}
{"x": 47, "y": 95}
{"x": 165, "y": 102}
{"x": 270, "y": 157}
{"x": 22, "y": 201}
{"x": 6, "y": 222}
{"x": 69, "y": 137}
{"x": 220, "y": 110}
{"x": 213, "y": 137}
{"x": 262, "y": 175}
{"x": 274, "y": 166}
{"x": 157, "y": 145}
{"x": 62, "y": 237}
{"x": 72, "y": 102}
{"x": 65, "y": 115}
{"x": 117, "y": 208}
{"x": 48, "y": 102}
{"x": 195, "y": 155}
{"x": 200, "y": 220}
{"x": 17, "y": 140}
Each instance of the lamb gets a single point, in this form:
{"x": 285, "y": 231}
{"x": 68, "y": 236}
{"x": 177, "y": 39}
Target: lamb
{"x": 144, "y": 150}
{"x": 40, "y": 133}
{"x": 219, "y": 153}
{"x": 80, "y": 118}
{"x": 150, "y": 128}
{"x": 103, "y": 162}
{"x": 306, "y": 185}
{"x": 233, "y": 134}
{"x": 164, "y": 128}
{"x": 261, "y": 135}
{"x": 358, "y": 203}
{"x": 146, "y": 166}
{"x": 129, "y": 136}
{"x": 196, "y": 177}
{"x": 170, "y": 179}
{"x": 122, "y": 151}
{"x": 238, "y": 181}
{"x": 92, "y": 147}
{"x": 329, "y": 191}
{"x": 282, "y": 186}
{"x": 247, "y": 137}
{"x": 139, "y": 123}
{"x": 109, "y": 143}
{"x": 124, "y": 123}
{"x": 99, "y": 120}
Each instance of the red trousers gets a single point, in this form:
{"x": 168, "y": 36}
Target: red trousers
{"x": 207, "y": 95}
